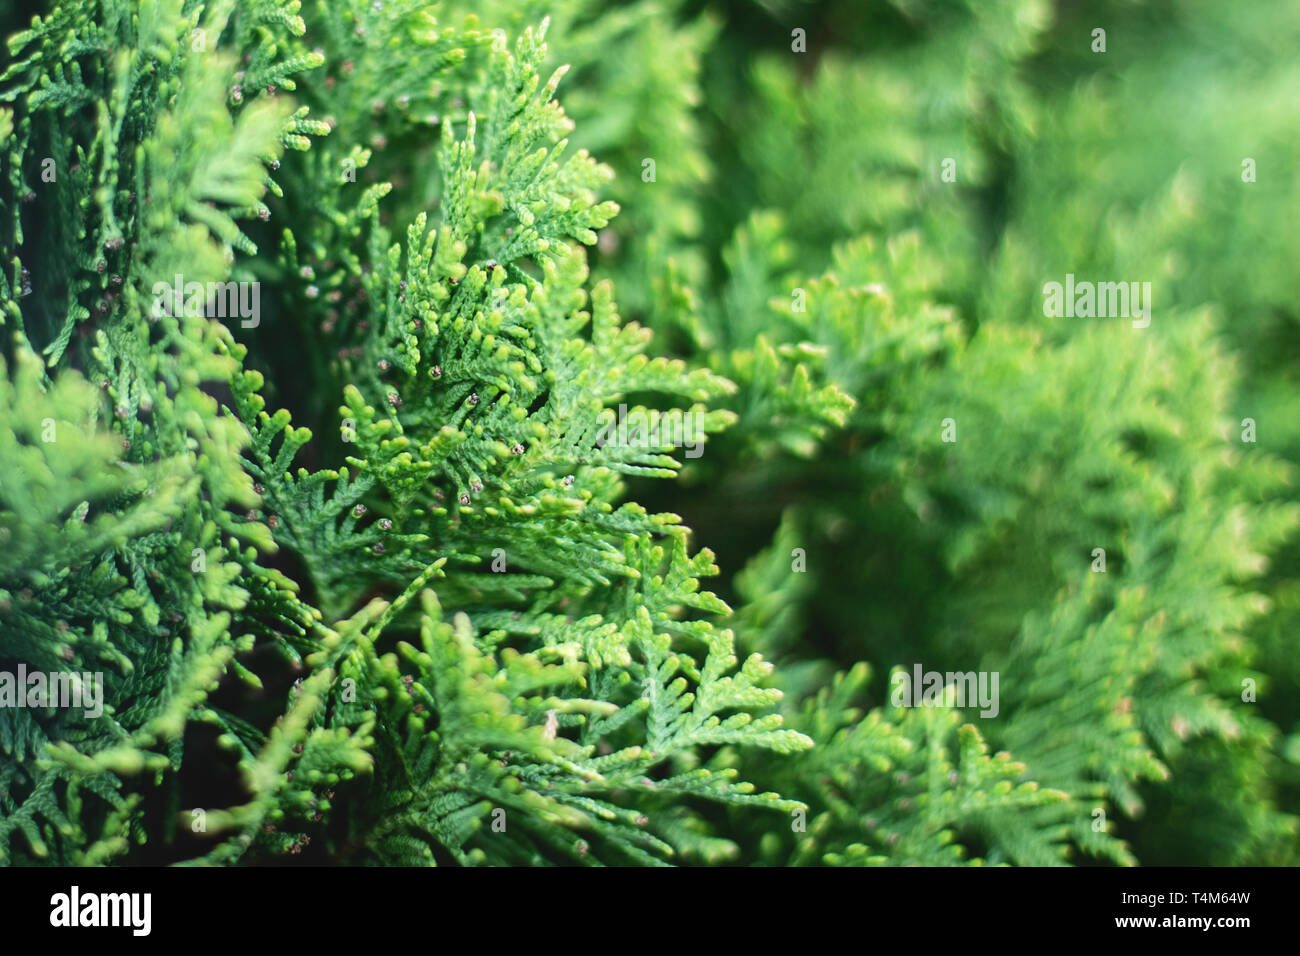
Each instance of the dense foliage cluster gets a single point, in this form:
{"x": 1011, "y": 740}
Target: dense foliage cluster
{"x": 314, "y": 318}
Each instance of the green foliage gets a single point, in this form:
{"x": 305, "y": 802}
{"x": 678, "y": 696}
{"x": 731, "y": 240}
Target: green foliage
{"x": 491, "y": 363}
{"x": 366, "y": 578}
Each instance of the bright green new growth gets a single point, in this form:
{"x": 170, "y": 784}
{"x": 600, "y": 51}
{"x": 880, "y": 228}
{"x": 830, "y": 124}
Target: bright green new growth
{"x": 555, "y": 711}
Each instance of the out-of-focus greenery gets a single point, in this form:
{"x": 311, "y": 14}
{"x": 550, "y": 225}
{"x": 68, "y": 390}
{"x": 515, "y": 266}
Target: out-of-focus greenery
{"x": 1123, "y": 690}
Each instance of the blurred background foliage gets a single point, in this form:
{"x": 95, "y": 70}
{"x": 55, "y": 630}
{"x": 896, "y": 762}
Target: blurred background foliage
{"x": 821, "y": 171}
